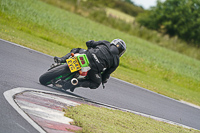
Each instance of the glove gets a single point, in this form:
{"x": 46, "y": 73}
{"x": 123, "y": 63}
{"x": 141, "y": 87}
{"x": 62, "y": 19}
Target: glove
{"x": 90, "y": 43}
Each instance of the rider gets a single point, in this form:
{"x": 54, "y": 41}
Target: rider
{"x": 102, "y": 55}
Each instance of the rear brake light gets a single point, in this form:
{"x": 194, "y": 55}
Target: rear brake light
{"x": 83, "y": 62}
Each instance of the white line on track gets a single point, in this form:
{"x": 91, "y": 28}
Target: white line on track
{"x": 22, "y": 127}
{"x": 9, "y": 97}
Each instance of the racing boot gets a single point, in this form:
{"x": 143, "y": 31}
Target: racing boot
{"x": 68, "y": 84}
{"x": 58, "y": 60}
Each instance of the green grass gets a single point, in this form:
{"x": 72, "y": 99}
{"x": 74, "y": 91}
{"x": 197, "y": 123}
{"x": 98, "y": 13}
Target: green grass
{"x": 119, "y": 15}
{"x": 54, "y": 31}
{"x": 102, "y": 120}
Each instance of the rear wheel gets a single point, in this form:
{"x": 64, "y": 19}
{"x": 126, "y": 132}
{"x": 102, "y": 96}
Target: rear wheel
{"x": 54, "y": 73}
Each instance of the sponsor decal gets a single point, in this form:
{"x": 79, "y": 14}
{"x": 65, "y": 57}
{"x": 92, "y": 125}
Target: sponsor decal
{"x": 95, "y": 57}
{"x": 97, "y": 75}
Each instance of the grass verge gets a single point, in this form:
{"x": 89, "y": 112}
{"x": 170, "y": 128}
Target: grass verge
{"x": 102, "y": 120}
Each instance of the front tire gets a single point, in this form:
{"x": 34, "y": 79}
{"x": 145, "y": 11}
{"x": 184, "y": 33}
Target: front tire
{"x": 45, "y": 79}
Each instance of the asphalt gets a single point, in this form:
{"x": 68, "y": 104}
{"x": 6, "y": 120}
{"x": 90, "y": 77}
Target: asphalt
{"x": 21, "y": 67}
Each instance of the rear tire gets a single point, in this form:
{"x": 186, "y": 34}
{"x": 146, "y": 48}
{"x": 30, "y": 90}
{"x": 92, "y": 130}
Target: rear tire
{"x": 53, "y": 73}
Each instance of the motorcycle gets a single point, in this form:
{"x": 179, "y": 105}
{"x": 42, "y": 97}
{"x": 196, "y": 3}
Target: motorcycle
{"x": 75, "y": 68}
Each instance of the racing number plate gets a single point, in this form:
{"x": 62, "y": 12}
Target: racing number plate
{"x": 73, "y": 64}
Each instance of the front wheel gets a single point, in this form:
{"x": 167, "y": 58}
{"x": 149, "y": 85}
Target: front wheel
{"x": 54, "y": 73}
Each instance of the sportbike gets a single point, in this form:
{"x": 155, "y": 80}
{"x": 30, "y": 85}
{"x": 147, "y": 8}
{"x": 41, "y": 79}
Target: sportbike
{"x": 75, "y": 68}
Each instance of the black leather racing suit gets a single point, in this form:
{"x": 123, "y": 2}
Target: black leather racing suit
{"x": 102, "y": 55}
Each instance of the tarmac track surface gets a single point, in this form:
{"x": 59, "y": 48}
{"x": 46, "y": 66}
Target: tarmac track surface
{"x": 21, "y": 67}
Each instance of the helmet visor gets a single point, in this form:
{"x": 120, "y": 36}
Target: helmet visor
{"x": 121, "y": 48}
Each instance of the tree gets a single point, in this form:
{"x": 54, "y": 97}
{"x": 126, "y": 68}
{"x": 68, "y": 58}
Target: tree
{"x": 175, "y": 17}
{"x": 129, "y": 1}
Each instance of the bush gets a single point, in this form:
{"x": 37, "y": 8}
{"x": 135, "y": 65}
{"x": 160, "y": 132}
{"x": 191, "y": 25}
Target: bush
{"x": 125, "y": 7}
{"x": 175, "y": 17}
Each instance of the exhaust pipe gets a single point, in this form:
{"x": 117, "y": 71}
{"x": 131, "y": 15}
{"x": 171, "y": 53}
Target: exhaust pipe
{"x": 74, "y": 81}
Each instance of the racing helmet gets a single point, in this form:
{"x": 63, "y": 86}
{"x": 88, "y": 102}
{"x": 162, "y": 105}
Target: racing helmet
{"x": 121, "y": 45}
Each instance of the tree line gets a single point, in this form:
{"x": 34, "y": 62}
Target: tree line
{"x": 175, "y": 17}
